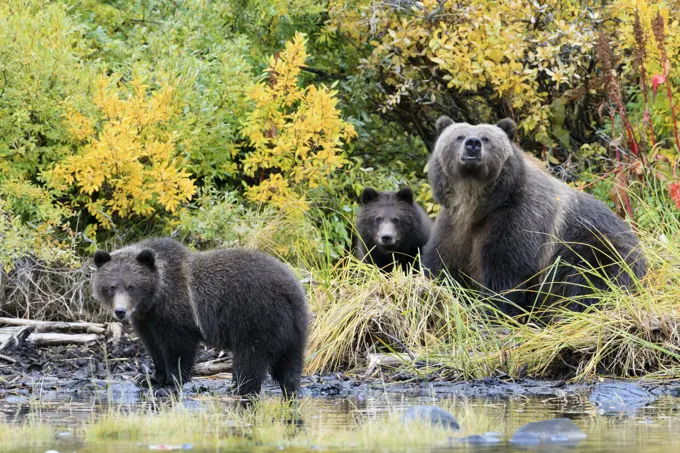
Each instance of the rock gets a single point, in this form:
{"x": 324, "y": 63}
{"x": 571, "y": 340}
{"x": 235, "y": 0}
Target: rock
{"x": 620, "y": 398}
{"x": 558, "y": 430}
{"x": 484, "y": 439}
{"x": 433, "y": 414}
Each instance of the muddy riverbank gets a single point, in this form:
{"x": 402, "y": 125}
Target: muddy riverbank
{"x": 83, "y": 371}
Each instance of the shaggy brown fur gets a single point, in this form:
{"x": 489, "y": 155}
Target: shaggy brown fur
{"x": 239, "y": 300}
{"x": 392, "y": 229}
{"x": 503, "y": 221}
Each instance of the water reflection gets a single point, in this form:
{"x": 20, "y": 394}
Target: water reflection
{"x": 650, "y": 429}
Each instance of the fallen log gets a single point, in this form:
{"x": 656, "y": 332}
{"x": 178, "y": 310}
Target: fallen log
{"x": 7, "y": 359}
{"x": 56, "y": 326}
{"x": 58, "y": 339}
{"x": 17, "y": 339}
{"x": 381, "y": 361}
{"x": 114, "y": 331}
{"x": 211, "y": 367}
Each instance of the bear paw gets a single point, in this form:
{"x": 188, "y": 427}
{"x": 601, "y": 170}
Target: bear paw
{"x": 146, "y": 382}
{"x": 165, "y": 392}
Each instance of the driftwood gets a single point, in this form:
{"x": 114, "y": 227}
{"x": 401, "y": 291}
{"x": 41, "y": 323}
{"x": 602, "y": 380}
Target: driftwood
{"x": 7, "y": 359}
{"x": 222, "y": 365}
{"x": 48, "y": 326}
{"x": 15, "y": 340}
{"x": 56, "y": 339}
{"x": 114, "y": 331}
{"x": 386, "y": 361}
{"x": 46, "y": 333}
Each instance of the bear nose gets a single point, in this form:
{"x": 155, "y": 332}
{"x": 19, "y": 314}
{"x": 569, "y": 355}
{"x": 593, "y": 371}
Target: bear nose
{"x": 120, "y": 313}
{"x": 473, "y": 146}
{"x": 386, "y": 239}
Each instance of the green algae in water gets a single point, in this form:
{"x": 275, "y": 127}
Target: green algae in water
{"x": 339, "y": 424}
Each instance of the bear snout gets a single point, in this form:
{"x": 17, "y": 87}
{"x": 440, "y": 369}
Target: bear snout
{"x": 120, "y": 313}
{"x": 472, "y": 149}
{"x": 386, "y": 239}
{"x": 122, "y": 305}
{"x": 387, "y": 234}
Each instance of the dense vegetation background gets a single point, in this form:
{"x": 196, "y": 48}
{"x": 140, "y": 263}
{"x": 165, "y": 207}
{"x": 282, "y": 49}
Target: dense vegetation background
{"x": 257, "y": 123}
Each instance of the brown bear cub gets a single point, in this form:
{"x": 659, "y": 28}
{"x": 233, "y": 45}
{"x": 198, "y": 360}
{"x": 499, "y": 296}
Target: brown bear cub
{"x": 233, "y": 299}
{"x": 392, "y": 229}
{"x": 503, "y": 221}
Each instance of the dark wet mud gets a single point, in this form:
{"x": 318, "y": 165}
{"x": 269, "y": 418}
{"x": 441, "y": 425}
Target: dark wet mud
{"x": 83, "y": 371}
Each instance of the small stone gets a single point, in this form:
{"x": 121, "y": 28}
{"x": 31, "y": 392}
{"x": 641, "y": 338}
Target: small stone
{"x": 675, "y": 391}
{"x": 433, "y": 414}
{"x": 558, "y": 430}
{"x": 620, "y": 397}
{"x": 477, "y": 439}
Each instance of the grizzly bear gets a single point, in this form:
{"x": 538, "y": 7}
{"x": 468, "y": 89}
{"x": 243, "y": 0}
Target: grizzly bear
{"x": 243, "y": 301}
{"x": 392, "y": 229}
{"x": 503, "y": 221}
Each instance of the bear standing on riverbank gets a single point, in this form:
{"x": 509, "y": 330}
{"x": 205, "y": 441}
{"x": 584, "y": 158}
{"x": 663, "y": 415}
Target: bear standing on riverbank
{"x": 503, "y": 221}
{"x": 240, "y": 300}
{"x": 392, "y": 228}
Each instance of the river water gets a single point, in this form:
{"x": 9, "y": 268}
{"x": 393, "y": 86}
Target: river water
{"x": 651, "y": 428}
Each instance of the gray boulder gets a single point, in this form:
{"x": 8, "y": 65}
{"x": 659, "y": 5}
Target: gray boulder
{"x": 432, "y": 414}
{"x": 620, "y": 398}
{"x": 558, "y": 430}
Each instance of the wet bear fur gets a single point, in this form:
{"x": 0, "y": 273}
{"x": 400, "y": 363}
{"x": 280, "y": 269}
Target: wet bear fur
{"x": 239, "y": 300}
{"x": 503, "y": 220}
{"x": 392, "y": 229}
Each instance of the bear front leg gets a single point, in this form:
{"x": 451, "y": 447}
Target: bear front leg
{"x": 503, "y": 275}
{"x": 179, "y": 362}
{"x": 153, "y": 348}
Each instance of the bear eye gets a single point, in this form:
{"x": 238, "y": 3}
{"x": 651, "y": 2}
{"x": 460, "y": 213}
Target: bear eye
{"x": 461, "y": 138}
{"x": 112, "y": 289}
{"x": 378, "y": 219}
{"x": 395, "y": 221}
{"x": 485, "y": 139}
{"x": 130, "y": 288}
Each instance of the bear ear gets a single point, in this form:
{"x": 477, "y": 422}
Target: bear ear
{"x": 406, "y": 195}
{"x": 146, "y": 258}
{"x": 369, "y": 194}
{"x": 442, "y": 123}
{"x": 101, "y": 257}
{"x": 509, "y": 127}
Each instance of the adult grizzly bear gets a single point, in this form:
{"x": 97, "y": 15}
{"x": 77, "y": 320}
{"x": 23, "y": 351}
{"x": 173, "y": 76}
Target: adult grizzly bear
{"x": 240, "y": 300}
{"x": 392, "y": 228}
{"x": 503, "y": 221}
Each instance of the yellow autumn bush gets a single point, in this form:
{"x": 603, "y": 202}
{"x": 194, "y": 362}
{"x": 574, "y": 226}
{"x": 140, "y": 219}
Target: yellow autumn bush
{"x": 296, "y": 134}
{"x": 527, "y": 58}
{"x": 127, "y": 165}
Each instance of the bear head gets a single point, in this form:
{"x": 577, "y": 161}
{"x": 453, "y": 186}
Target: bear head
{"x": 386, "y": 218}
{"x": 125, "y": 280}
{"x": 466, "y": 153}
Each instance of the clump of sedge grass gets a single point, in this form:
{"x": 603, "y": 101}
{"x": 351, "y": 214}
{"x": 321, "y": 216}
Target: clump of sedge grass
{"x": 357, "y": 308}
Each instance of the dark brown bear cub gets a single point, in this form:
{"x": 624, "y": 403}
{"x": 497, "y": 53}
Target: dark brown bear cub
{"x": 239, "y": 300}
{"x": 392, "y": 229}
{"x": 503, "y": 221}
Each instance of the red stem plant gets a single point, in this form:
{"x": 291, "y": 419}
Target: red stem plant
{"x": 658, "y": 27}
{"x": 615, "y": 103}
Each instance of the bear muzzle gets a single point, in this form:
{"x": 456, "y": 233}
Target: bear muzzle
{"x": 387, "y": 235}
{"x": 472, "y": 150}
{"x": 121, "y": 306}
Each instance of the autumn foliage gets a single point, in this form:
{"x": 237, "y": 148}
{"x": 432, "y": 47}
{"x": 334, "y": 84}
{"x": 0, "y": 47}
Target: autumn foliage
{"x": 121, "y": 121}
{"x": 296, "y": 133}
{"x": 127, "y": 165}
